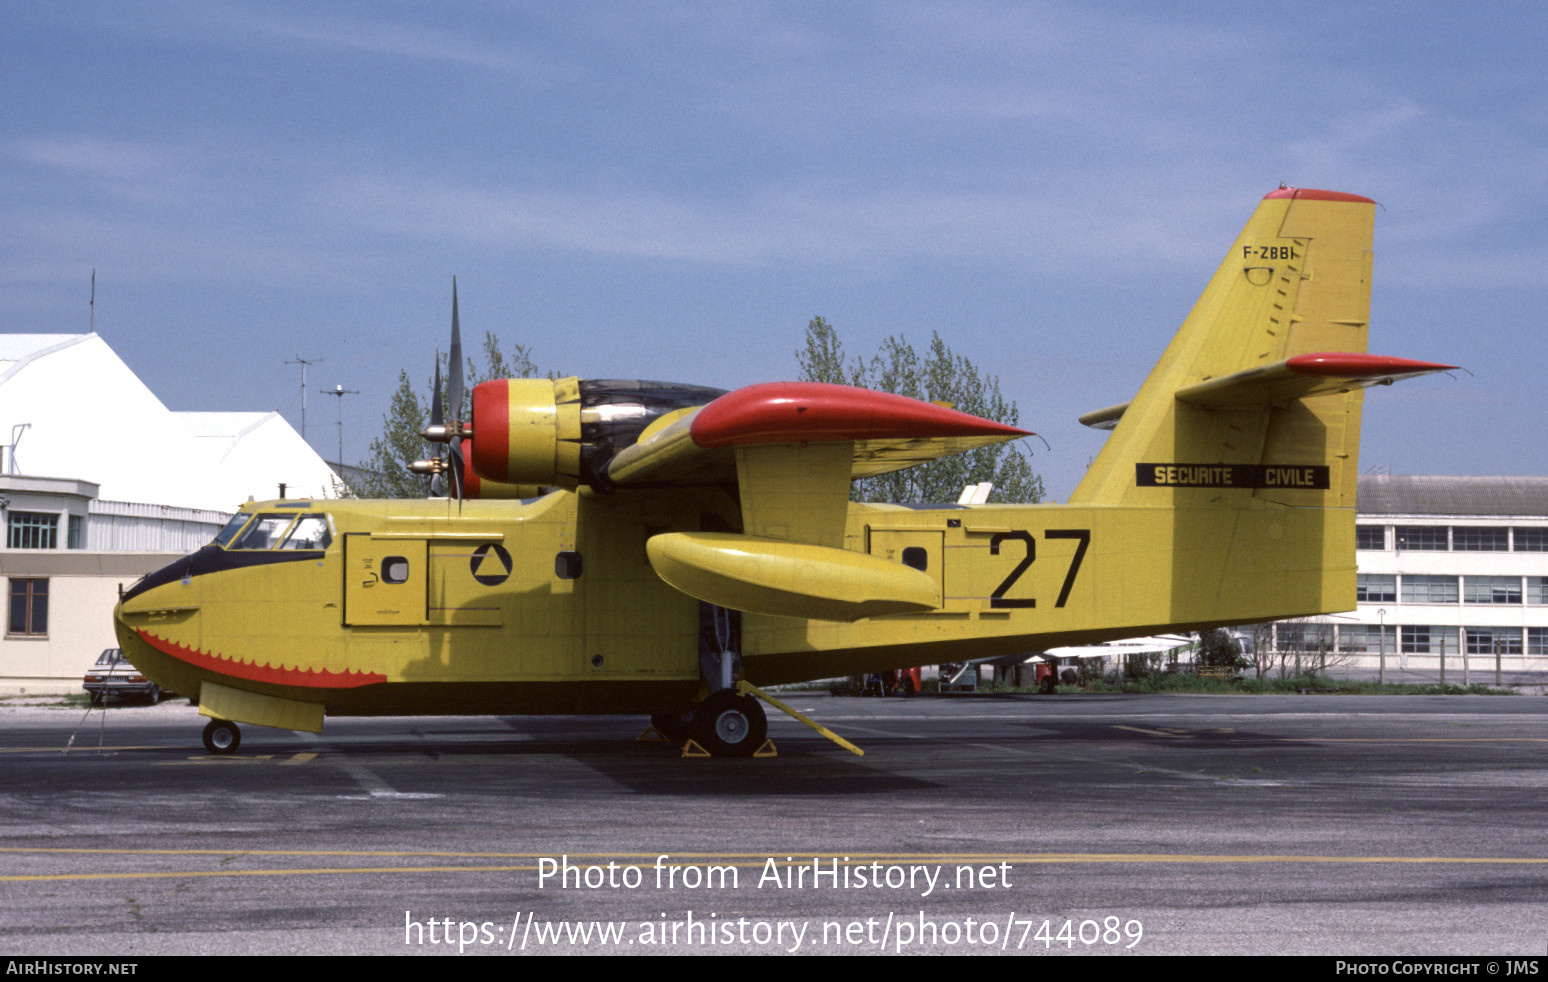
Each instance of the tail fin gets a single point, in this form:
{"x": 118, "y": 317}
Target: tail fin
{"x": 1262, "y": 387}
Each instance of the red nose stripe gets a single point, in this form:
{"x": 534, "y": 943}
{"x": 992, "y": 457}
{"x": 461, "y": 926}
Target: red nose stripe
{"x": 309, "y": 678}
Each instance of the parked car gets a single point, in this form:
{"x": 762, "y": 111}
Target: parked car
{"x": 113, "y": 675}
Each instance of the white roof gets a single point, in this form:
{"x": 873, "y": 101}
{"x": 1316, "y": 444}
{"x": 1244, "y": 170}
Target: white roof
{"x": 88, "y": 416}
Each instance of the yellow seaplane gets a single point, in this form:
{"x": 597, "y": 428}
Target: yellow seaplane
{"x": 619, "y": 547}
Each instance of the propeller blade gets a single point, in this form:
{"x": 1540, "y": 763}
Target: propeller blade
{"x": 454, "y": 366}
{"x": 454, "y": 465}
{"x": 436, "y": 419}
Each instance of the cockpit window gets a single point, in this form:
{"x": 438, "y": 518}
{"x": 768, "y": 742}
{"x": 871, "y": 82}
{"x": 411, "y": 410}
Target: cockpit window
{"x": 311, "y": 532}
{"x": 264, "y": 533}
{"x": 232, "y": 528}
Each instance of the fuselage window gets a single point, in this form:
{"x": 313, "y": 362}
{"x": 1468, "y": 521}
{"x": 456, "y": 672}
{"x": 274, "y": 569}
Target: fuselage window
{"x": 311, "y": 532}
{"x": 395, "y": 569}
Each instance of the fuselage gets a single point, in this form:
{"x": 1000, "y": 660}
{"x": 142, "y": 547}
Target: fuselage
{"x": 550, "y": 605}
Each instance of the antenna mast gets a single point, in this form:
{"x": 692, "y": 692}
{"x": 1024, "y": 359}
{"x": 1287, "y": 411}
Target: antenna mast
{"x": 303, "y": 362}
{"x": 341, "y": 392}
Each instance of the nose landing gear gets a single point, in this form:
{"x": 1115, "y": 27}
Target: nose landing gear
{"x": 221, "y": 736}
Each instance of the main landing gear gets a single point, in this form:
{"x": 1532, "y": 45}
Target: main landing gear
{"x": 731, "y": 723}
{"x": 221, "y": 736}
{"x": 727, "y": 724}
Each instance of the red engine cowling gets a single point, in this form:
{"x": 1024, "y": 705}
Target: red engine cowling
{"x": 527, "y": 431}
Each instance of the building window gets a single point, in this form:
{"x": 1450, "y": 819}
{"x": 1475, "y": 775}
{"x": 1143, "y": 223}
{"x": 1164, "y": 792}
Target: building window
{"x": 77, "y": 533}
{"x": 1491, "y": 589}
{"x": 1370, "y": 537}
{"x": 1429, "y": 538}
{"x": 1375, "y": 588}
{"x": 1537, "y": 590}
{"x": 1429, "y": 589}
{"x": 29, "y": 608}
{"x": 1537, "y": 641}
{"x": 1530, "y": 539}
{"x": 31, "y": 530}
{"x": 1480, "y": 538}
{"x": 1419, "y": 641}
{"x": 1488, "y": 640}
{"x": 1367, "y": 637}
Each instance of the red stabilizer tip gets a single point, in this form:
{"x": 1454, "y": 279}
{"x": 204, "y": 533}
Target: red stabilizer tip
{"x": 1313, "y": 194}
{"x": 1350, "y": 364}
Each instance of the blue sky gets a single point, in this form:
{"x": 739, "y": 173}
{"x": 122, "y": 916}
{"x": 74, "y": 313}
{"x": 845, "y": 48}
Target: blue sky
{"x": 672, "y": 190}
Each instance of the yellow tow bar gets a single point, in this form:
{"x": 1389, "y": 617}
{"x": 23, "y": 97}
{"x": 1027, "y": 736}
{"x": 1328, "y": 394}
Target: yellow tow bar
{"x": 748, "y": 689}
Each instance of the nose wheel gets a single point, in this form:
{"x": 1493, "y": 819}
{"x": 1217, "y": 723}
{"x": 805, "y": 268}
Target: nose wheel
{"x": 221, "y": 736}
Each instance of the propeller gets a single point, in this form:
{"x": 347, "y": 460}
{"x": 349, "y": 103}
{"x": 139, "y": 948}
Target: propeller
{"x": 440, "y": 430}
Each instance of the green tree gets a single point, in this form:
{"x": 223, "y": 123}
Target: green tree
{"x": 384, "y": 472}
{"x": 1218, "y": 649}
{"x": 940, "y": 375}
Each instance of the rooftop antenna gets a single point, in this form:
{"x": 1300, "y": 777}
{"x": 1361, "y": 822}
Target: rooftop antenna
{"x": 341, "y": 392}
{"x": 303, "y": 362}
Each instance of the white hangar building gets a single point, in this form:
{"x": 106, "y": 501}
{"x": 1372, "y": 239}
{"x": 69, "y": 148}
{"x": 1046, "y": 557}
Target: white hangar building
{"x": 97, "y": 490}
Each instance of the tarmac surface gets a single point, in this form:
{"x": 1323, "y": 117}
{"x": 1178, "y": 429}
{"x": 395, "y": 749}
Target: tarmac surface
{"x": 1028, "y": 825}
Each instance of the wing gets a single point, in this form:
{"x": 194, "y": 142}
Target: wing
{"x": 885, "y": 433}
{"x": 788, "y": 449}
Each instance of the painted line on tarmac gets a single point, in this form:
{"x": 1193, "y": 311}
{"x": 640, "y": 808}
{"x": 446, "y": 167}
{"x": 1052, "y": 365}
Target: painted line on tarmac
{"x": 740, "y": 860}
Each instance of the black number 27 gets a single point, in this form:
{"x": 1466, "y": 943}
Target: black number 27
{"x": 997, "y": 599}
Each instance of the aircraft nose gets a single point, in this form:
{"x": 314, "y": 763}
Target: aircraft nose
{"x": 154, "y": 619}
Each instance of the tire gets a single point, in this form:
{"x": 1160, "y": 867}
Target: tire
{"x": 1045, "y": 685}
{"x": 221, "y": 736}
{"x": 730, "y": 725}
{"x": 154, "y": 696}
{"x": 98, "y": 698}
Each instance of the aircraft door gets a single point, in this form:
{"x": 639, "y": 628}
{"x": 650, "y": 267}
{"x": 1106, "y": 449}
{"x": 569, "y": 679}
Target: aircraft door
{"x": 384, "y": 581}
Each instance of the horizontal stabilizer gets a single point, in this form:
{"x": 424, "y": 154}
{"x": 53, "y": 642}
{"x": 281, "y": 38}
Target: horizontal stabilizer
{"x": 1302, "y": 376}
{"x": 1283, "y": 381}
{"x": 774, "y": 576}
{"x": 1105, "y": 419}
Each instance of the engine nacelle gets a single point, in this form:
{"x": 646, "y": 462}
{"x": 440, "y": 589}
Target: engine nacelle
{"x": 527, "y": 431}
{"x": 475, "y": 487}
{"x": 562, "y": 432}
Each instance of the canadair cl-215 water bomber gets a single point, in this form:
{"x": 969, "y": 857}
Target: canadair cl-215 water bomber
{"x": 619, "y": 547}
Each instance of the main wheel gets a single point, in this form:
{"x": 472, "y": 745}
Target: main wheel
{"x": 730, "y": 725}
{"x": 221, "y": 736}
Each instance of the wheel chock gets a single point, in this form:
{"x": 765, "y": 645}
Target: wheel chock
{"x": 767, "y": 750}
{"x": 694, "y": 749}
{"x": 653, "y": 735}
